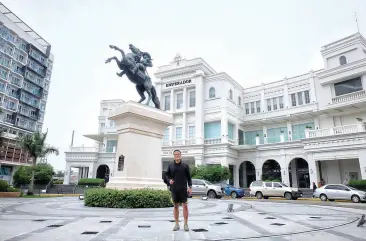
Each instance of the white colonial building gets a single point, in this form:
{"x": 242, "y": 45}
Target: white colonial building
{"x": 300, "y": 129}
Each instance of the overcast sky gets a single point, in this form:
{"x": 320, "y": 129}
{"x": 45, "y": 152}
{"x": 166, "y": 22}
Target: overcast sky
{"x": 253, "y": 41}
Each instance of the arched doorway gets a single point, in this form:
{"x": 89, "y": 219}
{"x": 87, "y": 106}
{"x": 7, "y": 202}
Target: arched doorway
{"x": 246, "y": 174}
{"x": 103, "y": 172}
{"x": 298, "y": 170}
{"x": 271, "y": 171}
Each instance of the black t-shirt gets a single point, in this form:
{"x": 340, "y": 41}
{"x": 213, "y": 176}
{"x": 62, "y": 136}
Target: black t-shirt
{"x": 179, "y": 172}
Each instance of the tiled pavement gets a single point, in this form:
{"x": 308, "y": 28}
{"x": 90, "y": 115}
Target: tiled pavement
{"x": 67, "y": 219}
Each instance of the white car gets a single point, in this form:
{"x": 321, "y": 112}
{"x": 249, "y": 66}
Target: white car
{"x": 262, "y": 189}
{"x": 333, "y": 192}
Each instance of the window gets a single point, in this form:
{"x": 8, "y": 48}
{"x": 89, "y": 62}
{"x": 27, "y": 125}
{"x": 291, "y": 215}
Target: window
{"x": 299, "y": 96}
{"x": 179, "y": 101}
{"x": 212, "y": 93}
{"x": 269, "y": 104}
{"x": 191, "y": 132}
{"x": 102, "y": 125}
{"x": 280, "y": 102}
{"x": 342, "y": 60}
{"x": 348, "y": 86}
{"x": 239, "y": 101}
{"x": 167, "y": 102}
{"x": 192, "y": 98}
{"x": 275, "y": 103}
{"x": 307, "y": 97}
{"x": 166, "y": 134}
{"x": 293, "y": 99}
{"x": 247, "y": 108}
{"x": 268, "y": 184}
{"x": 252, "y": 108}
{"x": 199, "y": 182}
{"x": 231, "y": 94}
{"x": 277, "y": 185}
{"x": 212, "y": 130}
{"x": 178, "y": 133}
{"x": 111, "y": 145}
{"x": 231, "y": 131}
{"x": 258, "y": 105}
{"x": 333, "y": 187}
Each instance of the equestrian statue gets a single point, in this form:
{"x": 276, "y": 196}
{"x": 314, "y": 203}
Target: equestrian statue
{"x": 134, "y": 65}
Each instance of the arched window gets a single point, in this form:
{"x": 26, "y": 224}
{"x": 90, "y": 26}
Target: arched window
{"x": 239, "y": 101}
{"x": 212, "y": 93}
{"x": 342, "y": 60}
{"x": 230, "y": 94}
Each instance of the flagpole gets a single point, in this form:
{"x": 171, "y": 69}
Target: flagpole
{"x": 358, "y": 29}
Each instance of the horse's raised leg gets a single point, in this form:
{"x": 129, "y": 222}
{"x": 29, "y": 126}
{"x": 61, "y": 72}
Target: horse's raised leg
{"x": 113, "y": 58}
{"x": 140, "y": 90}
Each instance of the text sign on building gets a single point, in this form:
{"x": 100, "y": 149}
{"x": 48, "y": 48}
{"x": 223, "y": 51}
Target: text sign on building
{"x": 182, "y": 82}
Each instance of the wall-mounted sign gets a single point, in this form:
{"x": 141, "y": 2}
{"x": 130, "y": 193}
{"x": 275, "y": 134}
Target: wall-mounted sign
{"x": 182, "y": 82}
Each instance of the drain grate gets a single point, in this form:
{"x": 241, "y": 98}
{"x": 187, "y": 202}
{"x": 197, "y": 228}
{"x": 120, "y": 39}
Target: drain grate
{"x": 39, "y": 220}
{"x": 199, "y": 230}
{"x": 269, "y": 218}
{"x": 144, "y": 226}
{"x": 173, "y": 221}
{"x": 105, "y": 221}
{"x": 220, "y": 223}
{"x": 55, "y": 225}
{"x": 262, "y": 213}
{"x": 315, "y": 217}
{"x": 227, "y": 218}
{"x": 89, "y": 232}
{"x": 277, "y": 224}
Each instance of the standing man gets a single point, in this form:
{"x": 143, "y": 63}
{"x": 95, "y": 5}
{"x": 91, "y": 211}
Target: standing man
{"x": 179, "y": 178}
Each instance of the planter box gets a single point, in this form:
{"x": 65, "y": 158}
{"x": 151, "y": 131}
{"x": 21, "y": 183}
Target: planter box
{"x": 9, "y": 194}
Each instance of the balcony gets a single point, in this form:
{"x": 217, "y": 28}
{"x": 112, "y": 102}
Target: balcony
{"x": 338, "y": 130}
{"x": 179, "y": 142}
{"x": 351, "y": 97}
{"x": 212, "y": 141}
{"x": 83, "y": 149}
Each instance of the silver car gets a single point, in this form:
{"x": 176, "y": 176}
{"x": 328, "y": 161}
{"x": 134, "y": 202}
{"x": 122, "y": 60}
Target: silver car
{"x": 333, "y": 192}
{"x": 206, "y": 188}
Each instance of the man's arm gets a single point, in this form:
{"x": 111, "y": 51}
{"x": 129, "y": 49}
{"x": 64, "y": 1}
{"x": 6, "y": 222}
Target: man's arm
{"x": 189, "y": 178}
{"x": 168, "y": 174}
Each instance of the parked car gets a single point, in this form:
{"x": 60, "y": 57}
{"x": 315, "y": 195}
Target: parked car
{"x": 333, "y": 192}
{"x": 234, "y": 192}
{"x": 205, "y": 188}
{"x": 262, "y": 189}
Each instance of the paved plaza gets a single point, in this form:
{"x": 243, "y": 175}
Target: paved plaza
{"x": 67, "y": 219}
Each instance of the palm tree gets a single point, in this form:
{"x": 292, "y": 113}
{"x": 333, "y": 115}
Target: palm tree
{"x": 36, "y": 146}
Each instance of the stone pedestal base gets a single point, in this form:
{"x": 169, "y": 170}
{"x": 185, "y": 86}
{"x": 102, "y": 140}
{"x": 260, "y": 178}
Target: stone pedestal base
{"x": 138, "y": 161}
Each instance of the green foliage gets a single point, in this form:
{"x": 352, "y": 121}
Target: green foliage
{"x": 22, "y": 176}
{"x": 91, "y": 182}
{"x": 141, "y": 198}
{"x": 272, "y": 180}
{"x": 212, "y": 173}
{"x": 58, "y": 181}
{"x": 4, "y": 187}
{"x": 43, "y": 173}
{"x": 358, "y": 184}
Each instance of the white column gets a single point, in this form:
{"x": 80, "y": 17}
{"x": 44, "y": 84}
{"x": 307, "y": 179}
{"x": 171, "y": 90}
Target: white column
{"x": 312, "y": 87}
{"x": 67, "y": 173}
{"x": 224, "y": 125}
{"x": 284, "y": 168}
{"x": 314, "y": 171}
{"x": 185, "y": 103}
{"x": 289, "y": 130}
{"x": 265, "y": 131}
{"x": 198, "y": 160}
{"x": 285, "y": 95}
{"x": 258, "y": 174}
{"x": 172, "y": 106}
{"x": 184, "y": 128}
{"x": 91, "y": 171}
{"x": 294, "y": 173}
{"x": 362, "y": 161}
{"x": 236, "y": 134}
{"x": 199, "y": 113}
{"x": 236, "y": 175}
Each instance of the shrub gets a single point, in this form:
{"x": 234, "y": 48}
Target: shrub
{"x": 212, "y": 173}
{"x": 13, "y": 189}
{"x": 130, "y": 198}
{"x": 58, "y": 181}
{"x": 358, "y": 184}
{"x": 43, "y": 173}
{"x": 22, "y": 176}
{"x": 4, "y": 186}
{"x": 91, "y": 182}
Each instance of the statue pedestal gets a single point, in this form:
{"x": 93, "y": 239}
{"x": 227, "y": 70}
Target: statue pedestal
{"x": 138, "y": 161}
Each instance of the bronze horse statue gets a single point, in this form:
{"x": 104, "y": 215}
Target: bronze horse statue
{"x": 134, "y": 66}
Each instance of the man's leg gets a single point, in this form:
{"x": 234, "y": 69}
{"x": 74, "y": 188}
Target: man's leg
{"x": 185, "y": 212}
{"x": 176, "y": 213}
{"x": 175, "y": 198}
{"x": 185, "y": 209}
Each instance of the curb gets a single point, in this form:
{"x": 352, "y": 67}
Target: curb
{"x": 275, "y": 199}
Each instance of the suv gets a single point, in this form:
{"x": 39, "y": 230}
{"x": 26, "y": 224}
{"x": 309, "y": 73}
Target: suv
{"x": 206, "y": 188}
{"x": 273, "y": 189}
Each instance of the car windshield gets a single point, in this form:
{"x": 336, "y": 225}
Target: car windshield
{"x": 284, "y": 184}
{"x": 208, "y": 183}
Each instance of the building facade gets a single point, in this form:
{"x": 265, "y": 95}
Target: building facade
{"x": 25, "y": 74}
{"x": 302, "y": 129}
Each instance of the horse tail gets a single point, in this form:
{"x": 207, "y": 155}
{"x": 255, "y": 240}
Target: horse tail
{"x": 155, "y": 98}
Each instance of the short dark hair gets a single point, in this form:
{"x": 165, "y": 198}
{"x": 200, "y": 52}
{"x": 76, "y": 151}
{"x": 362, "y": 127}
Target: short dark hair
{"x": 177, "y": 151}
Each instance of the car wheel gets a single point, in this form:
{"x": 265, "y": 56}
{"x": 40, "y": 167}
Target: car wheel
{"x": 234, "y": 195}
{"x": 259, "y": 195}
{"x": 211, "y": 194}
{"x": 355, "y": 199}
{"x": 265, "y": 197}
{"x": 288, "y": 196}
{"x": 323, "y": 197}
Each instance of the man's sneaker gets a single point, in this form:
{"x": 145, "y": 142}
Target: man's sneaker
{"x": 176, "y": 227}
{"x": 186, "y": 228}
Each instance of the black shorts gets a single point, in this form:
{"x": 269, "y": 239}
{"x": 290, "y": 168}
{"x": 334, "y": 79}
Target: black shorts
{"x": 179, "y": 196}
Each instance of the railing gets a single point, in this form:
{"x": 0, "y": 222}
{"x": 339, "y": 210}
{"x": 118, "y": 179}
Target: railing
{"x": 49, "y": 185}
{"x": 212, "y": 141}
{"x": 349, "y": 97}
{"x": 83, "y": 149}
{"x": 335, "y": 130}
{"x": 231, "y": 141}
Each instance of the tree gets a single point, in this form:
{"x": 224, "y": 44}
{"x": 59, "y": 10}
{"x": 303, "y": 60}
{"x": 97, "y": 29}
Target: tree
{"x": 212, "y": 173}
{"x": 37, "y": 148}
{"x": 22, "y": 176}
{"x": 43, "y": 173}
{"x": 60, "y": 174}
